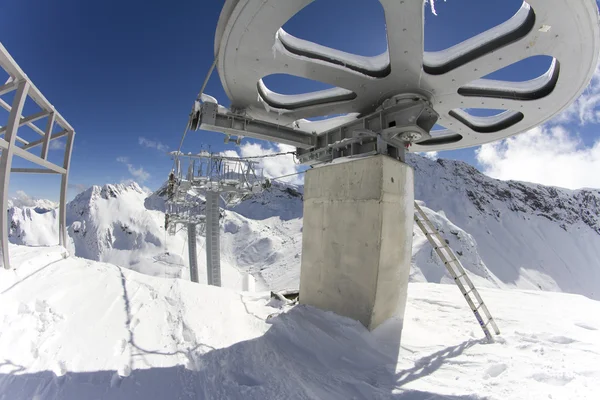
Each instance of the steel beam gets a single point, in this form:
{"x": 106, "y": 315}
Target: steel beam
{"x": 41, "y": 141}
{"x": 6, "y": 164}
{"x": 7, "y": 107}
{"x": 13, "y": 69}
{"x": 238, "y": 125}
{"x": 48, "y": 137}
{"x": 37, "y": 160}
{"x": 34, "y": 171}
{"x": 64, "y": 183}
{"x": 8, "y": 87}
{"x": 29, "y": 119}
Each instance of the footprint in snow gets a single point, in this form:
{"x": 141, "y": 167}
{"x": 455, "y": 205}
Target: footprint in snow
{"x": 172, "y": 302}
{"x": 120, "y": 348}
{"x": 187, "y": 333}
{"x": 124, "y": 371}
{"x": 495, "y": 370}
{"x": 60, "y": 369}
{"x": 586, "y": 326}
{"x": 561, "y": 340}
{"x": 34, "y": 350}
{"x": 554, "y": 380}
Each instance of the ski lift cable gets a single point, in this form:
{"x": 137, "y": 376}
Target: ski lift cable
{"x": 285, "y": 176}
{"x": 267, "y": 155}
{"x": 200, "y": 93}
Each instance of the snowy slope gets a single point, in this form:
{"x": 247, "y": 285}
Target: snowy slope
{"x": 78, "y": 329}
{"x": 33, "y": 226}
{"x": 111, "y": 224}
{"x": 529, "y": 236}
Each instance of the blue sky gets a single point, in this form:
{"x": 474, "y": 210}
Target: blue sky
{"x": 125, "y": 74}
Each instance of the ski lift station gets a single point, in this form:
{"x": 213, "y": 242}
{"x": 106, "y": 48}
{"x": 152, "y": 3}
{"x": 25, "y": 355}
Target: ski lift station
{"x": 359, "y": 208}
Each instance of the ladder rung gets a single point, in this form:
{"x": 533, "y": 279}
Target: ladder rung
{"x": 459, "y": 276}
{"x": 468, "y": 291}
{"x": 488, "y": 321}
{"x": 441, "y": 247}
{"x": 448, "y": 262}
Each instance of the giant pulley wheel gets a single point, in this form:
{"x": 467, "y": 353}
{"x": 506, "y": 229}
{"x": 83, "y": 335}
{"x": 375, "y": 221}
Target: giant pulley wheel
{"x": 250, "y": 44}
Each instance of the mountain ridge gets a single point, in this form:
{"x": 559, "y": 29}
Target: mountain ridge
{"x": 506, "y": 233}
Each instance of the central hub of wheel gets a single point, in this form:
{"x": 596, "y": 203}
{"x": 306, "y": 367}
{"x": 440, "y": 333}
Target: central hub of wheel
{"x": 396, "y": 124}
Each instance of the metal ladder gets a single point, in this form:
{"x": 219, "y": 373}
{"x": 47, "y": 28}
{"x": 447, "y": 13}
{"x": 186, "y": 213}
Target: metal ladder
{"x": 457, "y": 272}
{"x": 193, "y": 254}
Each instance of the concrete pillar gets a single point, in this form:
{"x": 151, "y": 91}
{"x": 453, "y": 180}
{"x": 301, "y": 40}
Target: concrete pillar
{"x": 357, "y": 238}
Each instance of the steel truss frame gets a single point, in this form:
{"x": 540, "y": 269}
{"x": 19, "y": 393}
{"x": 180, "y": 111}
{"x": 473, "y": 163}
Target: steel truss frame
{"x": 12, "y": 144}
{"x": 229, "y": 178}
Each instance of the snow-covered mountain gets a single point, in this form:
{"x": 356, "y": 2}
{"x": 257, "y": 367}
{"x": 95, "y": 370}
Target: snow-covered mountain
{"x": 527, "y": 235}
{"x": 21, "y": 199}
{"x": 507, "y": 234}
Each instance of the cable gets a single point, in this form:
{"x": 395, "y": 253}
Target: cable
{"x": 285, "y": 176}
{"x": 266, "y": 155}
{"x": 210, "y": 71}
{"x": 200, "y": 93}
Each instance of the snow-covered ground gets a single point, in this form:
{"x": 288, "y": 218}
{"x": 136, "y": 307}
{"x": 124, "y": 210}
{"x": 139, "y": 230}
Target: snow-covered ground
{"x": 79, "y": 329}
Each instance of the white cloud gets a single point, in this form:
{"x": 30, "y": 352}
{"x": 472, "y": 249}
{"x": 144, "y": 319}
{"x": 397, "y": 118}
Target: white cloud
{"x": 22, "y": 199}
{"x": 585, "y": 109}
{"x": 432, "y": 155}
{"x": 139, "y": 173}
{"x": 78, "y": 187}
{"x": 57, "y": 145}
{"x": 272, "y": 167}
{"x": 548, "y": 155}
{"x": 152, "y": 144}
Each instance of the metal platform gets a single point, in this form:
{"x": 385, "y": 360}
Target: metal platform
{"x": 214, "y": 177}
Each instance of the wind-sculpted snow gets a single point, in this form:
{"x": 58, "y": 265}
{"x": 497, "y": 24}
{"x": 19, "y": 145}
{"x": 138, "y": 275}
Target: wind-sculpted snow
{"x": 75, "y": 329}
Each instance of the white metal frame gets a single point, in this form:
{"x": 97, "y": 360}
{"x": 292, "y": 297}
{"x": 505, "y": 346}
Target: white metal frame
{"x": 24, "y": 88}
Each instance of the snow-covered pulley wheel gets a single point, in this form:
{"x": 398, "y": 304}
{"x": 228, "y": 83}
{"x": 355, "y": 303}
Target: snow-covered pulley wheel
{"x": 250, "y": 45}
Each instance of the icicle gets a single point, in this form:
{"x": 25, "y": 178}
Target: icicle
{"x": 432, "y": 5}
